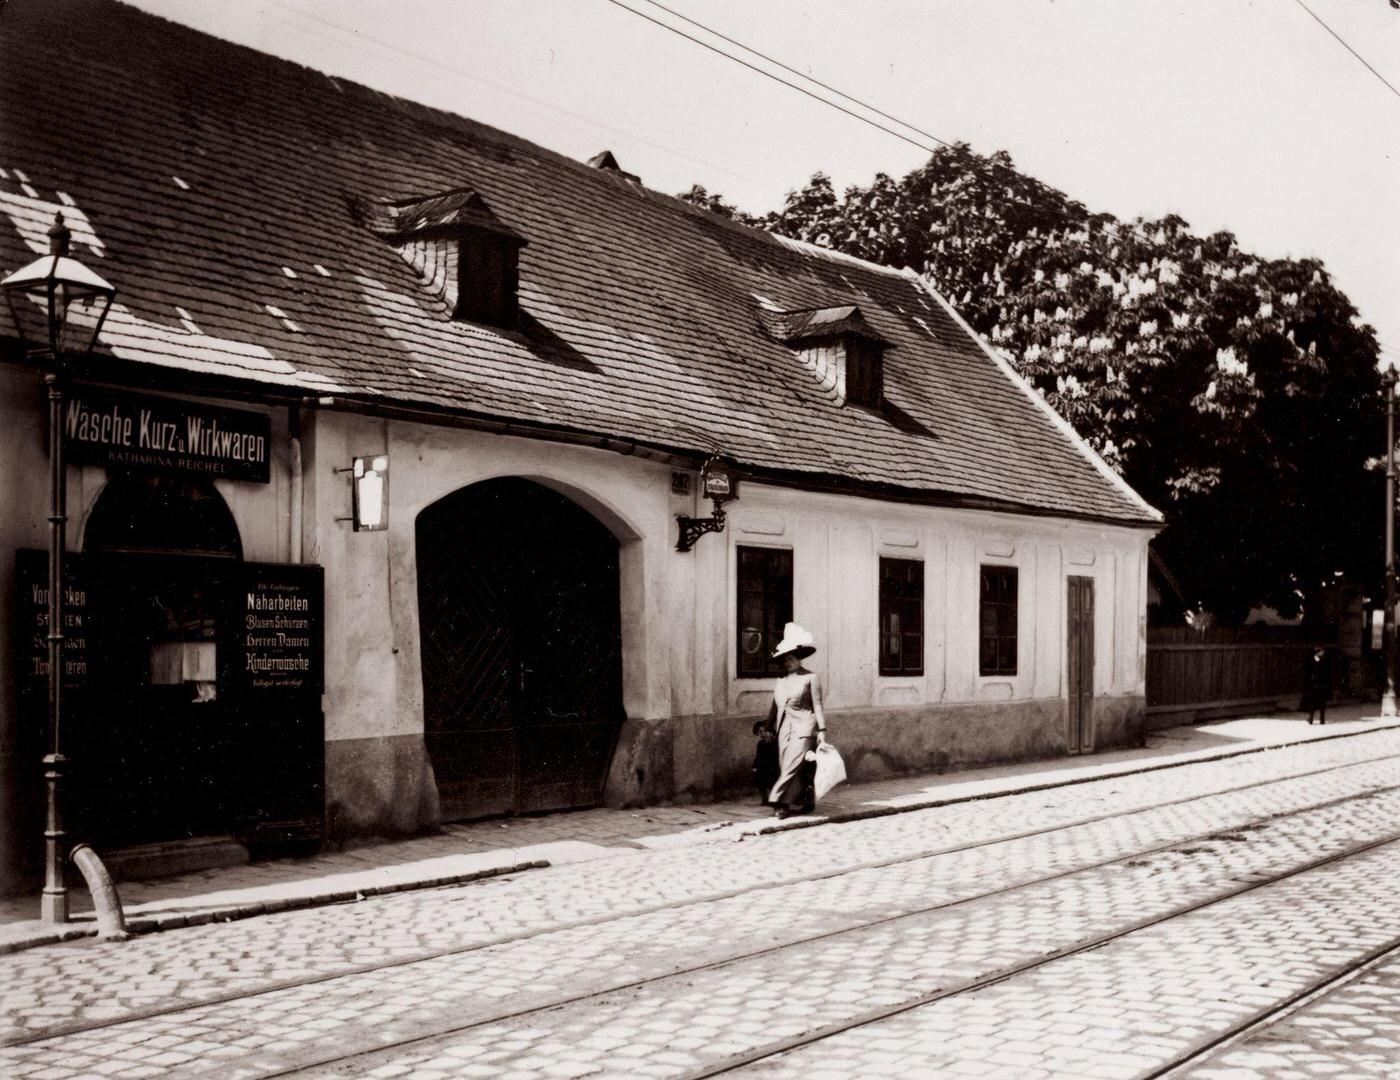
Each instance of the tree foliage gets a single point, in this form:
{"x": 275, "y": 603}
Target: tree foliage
{"x": 1238, "y": 394}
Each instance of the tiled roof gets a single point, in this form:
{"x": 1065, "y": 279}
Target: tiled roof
{"x": 223, "y": 192}
{"x": 448, "y": 210}
{"x": 794, "y": 326}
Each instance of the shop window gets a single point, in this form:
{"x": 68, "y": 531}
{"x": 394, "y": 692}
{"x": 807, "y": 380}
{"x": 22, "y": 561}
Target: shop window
{"x": 765, "y": 606}
{"x": 166, "y": 514}
{"x": 901, "y": 617}
{"x": 997, "y": 655}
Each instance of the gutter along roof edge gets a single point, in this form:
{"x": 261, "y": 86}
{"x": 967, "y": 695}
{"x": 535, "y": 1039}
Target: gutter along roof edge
{"x": 639, "y": 303}
{"x": 154, "y": 377}
{"x": 254, "y": 391}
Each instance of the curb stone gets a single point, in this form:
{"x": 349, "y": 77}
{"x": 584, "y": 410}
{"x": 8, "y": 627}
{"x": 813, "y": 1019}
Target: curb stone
{"x": 145, "y": 924}
{"x": 841, "y": 817}
{"x": 142, "y": 924}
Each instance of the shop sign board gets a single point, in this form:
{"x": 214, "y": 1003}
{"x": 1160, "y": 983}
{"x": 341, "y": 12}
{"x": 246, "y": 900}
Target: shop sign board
{"x": 157, "y": 434}
{"x": 31, "y": 623}
{"x": 280, "y": 629}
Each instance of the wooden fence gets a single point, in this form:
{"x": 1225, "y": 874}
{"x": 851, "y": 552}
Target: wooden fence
{"x": 1194, "y": 680}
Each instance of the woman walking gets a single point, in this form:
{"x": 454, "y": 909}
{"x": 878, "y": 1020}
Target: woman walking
{"x": 800, "y": 720}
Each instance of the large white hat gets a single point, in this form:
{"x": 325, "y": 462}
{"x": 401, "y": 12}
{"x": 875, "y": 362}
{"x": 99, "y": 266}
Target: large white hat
{"x": 797, "y": 640}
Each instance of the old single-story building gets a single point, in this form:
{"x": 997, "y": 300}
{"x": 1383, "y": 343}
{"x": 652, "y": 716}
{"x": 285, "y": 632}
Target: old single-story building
{"x": 389, "y": 476}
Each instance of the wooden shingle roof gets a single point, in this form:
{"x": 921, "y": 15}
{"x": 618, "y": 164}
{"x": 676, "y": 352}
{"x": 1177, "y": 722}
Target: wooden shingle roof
{"x": 223, "y": 191}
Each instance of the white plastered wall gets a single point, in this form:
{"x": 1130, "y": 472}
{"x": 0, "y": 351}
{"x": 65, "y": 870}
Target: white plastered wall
{"x": 678, "y": 609}
{"x": 836, "y": 543}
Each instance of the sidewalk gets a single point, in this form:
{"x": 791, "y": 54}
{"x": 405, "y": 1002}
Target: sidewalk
{"x": 480, "y": 849}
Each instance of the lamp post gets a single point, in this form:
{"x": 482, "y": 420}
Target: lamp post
{"x": 70, "y": 298}
{"x": 1388, "y": 380}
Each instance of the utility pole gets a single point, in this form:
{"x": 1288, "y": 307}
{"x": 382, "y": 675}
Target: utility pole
{"x": 1388, "y": 623}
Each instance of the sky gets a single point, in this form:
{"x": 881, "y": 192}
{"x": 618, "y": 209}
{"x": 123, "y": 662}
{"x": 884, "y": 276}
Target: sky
{"x": 1236, "y": 114}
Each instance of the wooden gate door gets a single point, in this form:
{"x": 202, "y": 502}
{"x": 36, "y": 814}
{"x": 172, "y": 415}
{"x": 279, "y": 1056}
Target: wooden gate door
{"x": 1080, "y": 604}
{"x": 520, "y": 632}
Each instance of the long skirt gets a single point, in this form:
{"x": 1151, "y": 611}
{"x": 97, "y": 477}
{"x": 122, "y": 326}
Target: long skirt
{"x": 792, "y": 756}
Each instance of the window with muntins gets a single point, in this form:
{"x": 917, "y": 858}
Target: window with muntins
{"x": 765, "y": 607}
{"x": 901, "y": 617}
{"x": 997, "y": 652}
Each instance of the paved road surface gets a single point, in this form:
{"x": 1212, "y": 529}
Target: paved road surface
{"x": 1110, "y": 929}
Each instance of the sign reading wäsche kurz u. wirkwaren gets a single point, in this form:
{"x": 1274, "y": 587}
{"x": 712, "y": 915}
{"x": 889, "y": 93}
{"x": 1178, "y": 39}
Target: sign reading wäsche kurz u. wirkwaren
{"x": 124, "y": 431}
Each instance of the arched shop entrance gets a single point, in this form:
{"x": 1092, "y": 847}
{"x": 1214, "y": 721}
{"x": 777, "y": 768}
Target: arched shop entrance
{"x": 152, "y": 751}
{"x": 199, "y": 716}
{"x": 521, "y": 644}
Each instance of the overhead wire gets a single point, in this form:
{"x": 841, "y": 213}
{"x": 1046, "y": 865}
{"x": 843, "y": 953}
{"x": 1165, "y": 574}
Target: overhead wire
{"x": 1077, "y": 220}
{"x": 359, "y": 39}
{"x": 778, "y": 78}
{"x": 1343, "y": 42}
{"x": 1065, "y": 215}
{"x": 801, "y": 74}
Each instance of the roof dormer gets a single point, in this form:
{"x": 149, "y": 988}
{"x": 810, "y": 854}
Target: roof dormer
{"x": 464, "y": 253}
{"x": 608, "y": 163}
{"x": 844, "y": 351}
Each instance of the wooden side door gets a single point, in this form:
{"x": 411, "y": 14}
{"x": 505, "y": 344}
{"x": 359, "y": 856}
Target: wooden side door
{"x": 1080, "y": 645}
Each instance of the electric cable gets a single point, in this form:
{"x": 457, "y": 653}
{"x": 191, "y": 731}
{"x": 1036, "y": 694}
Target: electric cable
{"x": 359, "y": 39}
{"x": 1065, "y": 215}
{"x": 1388, "y": 85}
{"x": 779, "y": 79}
{"x": 800, "y": 74}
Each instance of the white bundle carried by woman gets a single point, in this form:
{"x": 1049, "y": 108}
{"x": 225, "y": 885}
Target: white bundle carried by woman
{"x": 831, "y": 770}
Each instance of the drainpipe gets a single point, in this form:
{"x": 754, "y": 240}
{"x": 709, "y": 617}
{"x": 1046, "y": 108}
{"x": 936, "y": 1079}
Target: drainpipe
{"x": 111, "y": 923}
{"x": 295, "y": 468}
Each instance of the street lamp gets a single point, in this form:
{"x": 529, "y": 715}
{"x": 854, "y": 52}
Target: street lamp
{"x": 1388, "y": 381}
{"x": 63, "y": 300}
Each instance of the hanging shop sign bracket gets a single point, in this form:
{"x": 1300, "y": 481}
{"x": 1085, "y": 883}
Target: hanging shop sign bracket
{"x": 720, "y": 485}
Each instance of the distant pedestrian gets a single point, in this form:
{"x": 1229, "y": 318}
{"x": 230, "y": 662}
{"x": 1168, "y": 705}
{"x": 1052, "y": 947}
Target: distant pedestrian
{"x": 800, "y": 721}
{"x": 1317, "y": 685}
{"x": 765, "y": 760}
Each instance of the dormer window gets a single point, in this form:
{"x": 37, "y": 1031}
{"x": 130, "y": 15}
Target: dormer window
{"x": 865, "y": 375}
{"x": 465, "y": 254}
{"x": 608, "y": 163}
{"x": 843, "y": 350}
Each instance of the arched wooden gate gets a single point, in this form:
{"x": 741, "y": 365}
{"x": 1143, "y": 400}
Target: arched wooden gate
{"x": 521, "y": 645}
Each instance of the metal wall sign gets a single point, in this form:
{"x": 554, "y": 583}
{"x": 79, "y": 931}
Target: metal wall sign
{"x": 280, "y": 628}
{"x": 139, "y": 433}
{"x": 31, "y": 624}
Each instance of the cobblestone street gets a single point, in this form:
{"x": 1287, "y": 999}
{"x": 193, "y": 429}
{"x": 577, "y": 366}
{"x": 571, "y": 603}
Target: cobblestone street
{"x": 631, "y": 541}
{"x": 1108, "y": 929}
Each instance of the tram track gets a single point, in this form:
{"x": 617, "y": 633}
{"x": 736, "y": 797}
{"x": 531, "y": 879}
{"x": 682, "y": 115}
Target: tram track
{"x": 336, "y": 1061}
{"x": 275, "y": 986}
{"x": 1263, "y": 1019}
{"x": 445, "y": 1031}
{"x": 982, "y": 982}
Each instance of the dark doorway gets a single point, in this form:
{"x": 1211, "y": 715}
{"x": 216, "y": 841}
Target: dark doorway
{"x": 1080, "y": 602}
{"x": 521, "y": 642}
{"x": 153, "y": 747}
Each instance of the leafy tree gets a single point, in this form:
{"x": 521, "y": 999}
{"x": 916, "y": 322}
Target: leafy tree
{"x": 700, "y": 197}
{"x": 1236, "y": 393}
